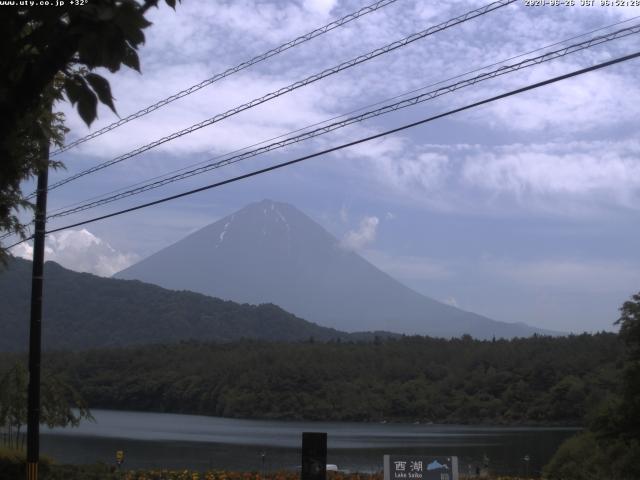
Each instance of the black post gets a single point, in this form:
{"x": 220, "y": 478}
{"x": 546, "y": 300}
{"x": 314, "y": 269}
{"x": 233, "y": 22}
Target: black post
{"x": 314, "y": 456}
{"x": 35, "y": 332}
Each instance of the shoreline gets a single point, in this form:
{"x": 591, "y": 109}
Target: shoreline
{"x": 395, "y": 422}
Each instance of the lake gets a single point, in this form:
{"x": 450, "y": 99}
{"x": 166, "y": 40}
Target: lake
{"x": 161, "y": 440}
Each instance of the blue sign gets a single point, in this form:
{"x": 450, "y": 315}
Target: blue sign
{"x": 420, "y": 467}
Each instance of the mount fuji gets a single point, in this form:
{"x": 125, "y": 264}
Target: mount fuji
{"x": 270, "y": 252}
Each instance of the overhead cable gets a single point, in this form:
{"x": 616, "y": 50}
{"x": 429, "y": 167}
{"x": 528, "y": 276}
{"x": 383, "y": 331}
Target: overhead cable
{"x": 219, "y": 76}
{"x": 350, "y": 144}
{"x": 316, "y": 124}
{"x": 503, "y": 70}
{"x": 284, "y": 90}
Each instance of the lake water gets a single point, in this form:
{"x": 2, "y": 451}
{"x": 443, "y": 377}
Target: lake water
{"x": 158, "y": 440}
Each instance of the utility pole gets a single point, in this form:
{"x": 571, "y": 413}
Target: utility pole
{"x": 35, "y": 329}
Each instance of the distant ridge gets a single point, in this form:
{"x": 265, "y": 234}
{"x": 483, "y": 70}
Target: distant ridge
{"x": 85, "y": 311}
{"x": 272, "y": 252}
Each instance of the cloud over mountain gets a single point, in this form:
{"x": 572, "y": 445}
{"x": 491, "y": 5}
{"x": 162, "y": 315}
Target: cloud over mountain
{"x": 80, "y": 250}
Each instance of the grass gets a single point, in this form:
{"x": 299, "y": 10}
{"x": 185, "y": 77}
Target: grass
{"x": 12, "y": 467}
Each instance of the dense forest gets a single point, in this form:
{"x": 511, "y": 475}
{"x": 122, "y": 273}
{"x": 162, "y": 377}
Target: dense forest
{"x": 536, "y": 380}
{"x": 86, "y": 311}
{"x": 609, "y": 448}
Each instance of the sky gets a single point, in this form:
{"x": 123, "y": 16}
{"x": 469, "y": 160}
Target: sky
{"x": 523, "y": 210}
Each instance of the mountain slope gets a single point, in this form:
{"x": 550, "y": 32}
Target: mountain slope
{"x": 272, "y": 252}
{"x": 84, "y": 311}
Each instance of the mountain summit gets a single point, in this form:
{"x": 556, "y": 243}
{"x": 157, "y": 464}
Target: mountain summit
{"x": 271, "y": 252}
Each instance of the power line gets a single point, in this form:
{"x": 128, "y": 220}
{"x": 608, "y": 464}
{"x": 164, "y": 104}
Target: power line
{"x": 380, "y": 102}
{"x": 25, "y": 239}
{"x": 503, "y": 70}
{"x": 350, "y": 144}
{"x": 68, "y": 206}
{"x": 111, "y": 193}
{"x": 219, "y": 76}
{"x": 294, "y": 86}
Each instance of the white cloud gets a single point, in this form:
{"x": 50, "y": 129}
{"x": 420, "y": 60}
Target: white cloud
{"x": 364, "y": 235}
{"x": 176, "y": 56}
{"x": 422, "y": 171}
{"x": 575, "y": 178}
{"x": 589, "y": 102}
{"x": 604, "y": 173}
{"x": 265, "y": 121}
{"x": 81, "y": 251}
{"x": 320, "y": 6}
{"x": 381, "y": 148}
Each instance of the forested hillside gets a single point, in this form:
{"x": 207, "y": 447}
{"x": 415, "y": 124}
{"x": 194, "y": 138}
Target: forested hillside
{"x": 85, "y": 311}
{"x": 537, "y": 380}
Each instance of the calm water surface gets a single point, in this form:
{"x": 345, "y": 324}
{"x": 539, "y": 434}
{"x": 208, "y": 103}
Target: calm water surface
{"x": 160, "y": 440}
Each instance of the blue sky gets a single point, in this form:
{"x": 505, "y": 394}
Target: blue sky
{"x": 522, "y": 210}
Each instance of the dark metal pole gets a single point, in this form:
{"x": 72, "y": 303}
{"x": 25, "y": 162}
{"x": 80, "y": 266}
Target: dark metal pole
{"x": 314, "y": 456}
{"x": 35, "y": 332}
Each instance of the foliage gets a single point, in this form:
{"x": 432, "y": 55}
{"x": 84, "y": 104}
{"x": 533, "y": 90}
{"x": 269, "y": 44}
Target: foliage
{"x": 80, "y": 472}
{"x": 579, "y": 458}
{"x": 13, "y": 461}
{"x": 586, "y": 457}
{"x": 22, "y": 150}
{"x": 535, "y": 380}
{"x": 45, "y": 51}
{"x": 103, "y": 472}
{"x": 611, "y": 447}
{"x": 83, "y": 310}
{"x": 629, "y": 321}
{"x": 226, "y": 475}
{"x": 414, "y": 378}
{"x": 61, "y": 405}
{"x": 13, "y": 403}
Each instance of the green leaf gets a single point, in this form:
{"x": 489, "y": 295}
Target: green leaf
{"x": 130, "y": 59}
{"x": 88, "y": 105}
{"x": 112, "y": 50}
{"x": 106, "y": 13}
{"x": 131, "y": 22}
{"x": 73, "y": 89}
{"x": 88, "y": 48}
{"x": 102, "y": 88}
